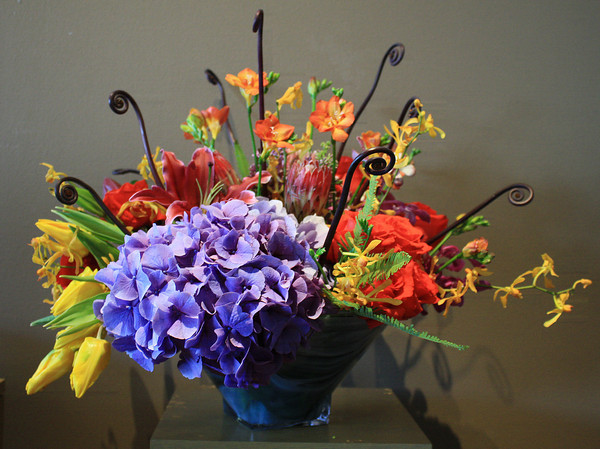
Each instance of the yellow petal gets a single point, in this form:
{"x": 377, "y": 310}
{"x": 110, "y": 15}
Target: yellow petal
{"x": 91, "y": 359}
{"x": 76, "y": 292}
{"x": 56, "y": 364}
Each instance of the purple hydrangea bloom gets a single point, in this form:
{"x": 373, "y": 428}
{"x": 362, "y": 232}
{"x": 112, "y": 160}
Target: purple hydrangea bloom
{"x": 232, "y": 287}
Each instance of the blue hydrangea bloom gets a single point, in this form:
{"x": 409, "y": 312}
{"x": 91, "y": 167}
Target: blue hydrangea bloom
{"x": 232, "y": 287}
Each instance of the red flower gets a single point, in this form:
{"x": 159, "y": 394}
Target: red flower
{"x": 135, "y": 213}
{"x": 437, "y": 222}
{"x": 188, "y": 186}
{"x": 68, "y": 269}
{"x": 273, "y": 133}
{"x": 411, "y": 284}
{"x": 334, "y": 115}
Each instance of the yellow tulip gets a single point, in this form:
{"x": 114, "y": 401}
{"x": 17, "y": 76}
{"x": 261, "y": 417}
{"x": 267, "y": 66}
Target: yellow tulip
{"x": 62, "y": 233}
{"x": 77, "y": 291}
{"x": 91, "y": 359}
{"x": 56, "y": 364}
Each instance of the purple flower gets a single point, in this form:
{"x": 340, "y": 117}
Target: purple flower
{"x": 232, "y": 288}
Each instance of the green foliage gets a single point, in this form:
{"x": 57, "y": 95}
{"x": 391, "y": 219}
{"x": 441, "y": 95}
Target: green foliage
{"x": 385, "y": 267}
{"x": 470, "y": 224}
{"x": 368, "y": 312}
{"x": 96, "y": 226}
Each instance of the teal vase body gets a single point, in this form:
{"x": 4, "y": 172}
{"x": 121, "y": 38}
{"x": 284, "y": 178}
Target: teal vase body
{"x": 300, "y": 392}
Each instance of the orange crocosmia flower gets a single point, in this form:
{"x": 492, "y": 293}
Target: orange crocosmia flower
{"x": 370, "y": 139}
{"x": 247, "y": 81}
{"x": 273, "y": 133}
{"x": 215, "y": 118}
{"x": 333, "y": 115}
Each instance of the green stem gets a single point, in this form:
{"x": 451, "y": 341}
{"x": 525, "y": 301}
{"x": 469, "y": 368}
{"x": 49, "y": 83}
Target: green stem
{"x": 439, "y": 245}
{"x": 249, "y": 109}
{"x": 449, "y": 261}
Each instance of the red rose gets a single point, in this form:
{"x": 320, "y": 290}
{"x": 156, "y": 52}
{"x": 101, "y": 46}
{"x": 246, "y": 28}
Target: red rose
{"x": 137, "y": 213}
{"x": 395, "y": 232}
{"x": 411, "y": 284}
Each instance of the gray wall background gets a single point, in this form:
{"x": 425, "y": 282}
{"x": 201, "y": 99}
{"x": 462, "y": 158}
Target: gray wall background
{"x": 513, "y": 84}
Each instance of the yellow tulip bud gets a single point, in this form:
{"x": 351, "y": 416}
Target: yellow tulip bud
{"x": 91, "y": 359}
{"x": 56, "y": 364}
{"x": 76, "y": 292}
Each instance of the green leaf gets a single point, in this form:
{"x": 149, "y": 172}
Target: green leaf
{"x": 367, "y": 312}
{"x": 385, "y": 267}
{"x": 99, "y": 248}
{"x": 98, "y": 227}
{"x": 73, "y": 329}
{"x": 87, "y": 202}
{"x": 76, "y": 315}
{"x": 42, "y": 321}
{"x": 79, "y": 278}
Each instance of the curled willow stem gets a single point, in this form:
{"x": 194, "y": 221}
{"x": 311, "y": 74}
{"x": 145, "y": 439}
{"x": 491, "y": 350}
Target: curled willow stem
{"x": 518, "y": 195}
{"x": 124, "y": 171}
{"x": 119, "y": 102}
{"x": 376, "y": 166}
{"x": 215, "y": 81}
{"x": 257, "y": 27}
{"x": 67, "y": 194}
{"x": 395, "y": 54}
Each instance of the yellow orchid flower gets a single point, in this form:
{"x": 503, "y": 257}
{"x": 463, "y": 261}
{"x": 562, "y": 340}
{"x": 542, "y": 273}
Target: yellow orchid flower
{"x": 56, "y": 364}
{"x": 91, "y": 359}
{"x": 52, "y": 175}
{"x": 76, "y": 292}
{"x": 433, "y": 131}
{"x": 510, "y": 290}
{"x": 561, "y": 307}
{"x": 292, "y": 96}
{"x": 144, "y": 168}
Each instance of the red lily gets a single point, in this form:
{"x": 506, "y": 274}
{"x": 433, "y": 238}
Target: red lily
{"x": 188, "y": 186}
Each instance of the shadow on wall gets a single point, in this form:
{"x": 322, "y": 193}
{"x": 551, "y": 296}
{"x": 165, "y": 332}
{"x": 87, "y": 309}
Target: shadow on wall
{"x": 145, "y": 416}
{"x": 392, "y": 374}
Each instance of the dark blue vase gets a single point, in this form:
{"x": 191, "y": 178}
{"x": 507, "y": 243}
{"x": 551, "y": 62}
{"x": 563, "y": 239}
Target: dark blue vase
{"x": 300, "y": 392}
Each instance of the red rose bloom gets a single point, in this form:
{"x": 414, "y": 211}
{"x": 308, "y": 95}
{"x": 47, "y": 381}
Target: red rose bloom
{"x": 411, "y": 284}
{"x": 136, "y": 214}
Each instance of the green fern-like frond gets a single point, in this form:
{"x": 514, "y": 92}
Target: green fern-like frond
{"x": 385, "y": 267}
{"x": 367, "y": 312}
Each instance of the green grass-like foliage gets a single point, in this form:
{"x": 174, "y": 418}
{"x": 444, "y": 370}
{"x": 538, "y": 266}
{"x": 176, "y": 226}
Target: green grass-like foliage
{"x": 367, "y": 312}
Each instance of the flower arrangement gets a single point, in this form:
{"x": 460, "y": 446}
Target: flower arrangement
{"x": 231, "y": 270}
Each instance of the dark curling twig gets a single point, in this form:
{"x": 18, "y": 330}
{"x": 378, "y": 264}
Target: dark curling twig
{"x": 119, "y": 101}
{"x": 376, "y": 166}
{"x": 215, "y": 81}
{"x": 124, "y": 171}
{"x": 395, "y": 54}
{"x": 67, "y": 194}
{"x": 518, "y": 195}
{"x": 257, "y": 27}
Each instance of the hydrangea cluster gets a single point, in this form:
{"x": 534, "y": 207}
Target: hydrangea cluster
{"x": 231, "y": 287}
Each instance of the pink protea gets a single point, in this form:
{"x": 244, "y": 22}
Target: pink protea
{"x": 307, "y": 186}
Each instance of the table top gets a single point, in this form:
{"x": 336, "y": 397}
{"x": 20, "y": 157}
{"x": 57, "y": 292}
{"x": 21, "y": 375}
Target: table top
{"x": 361, "y": 418}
